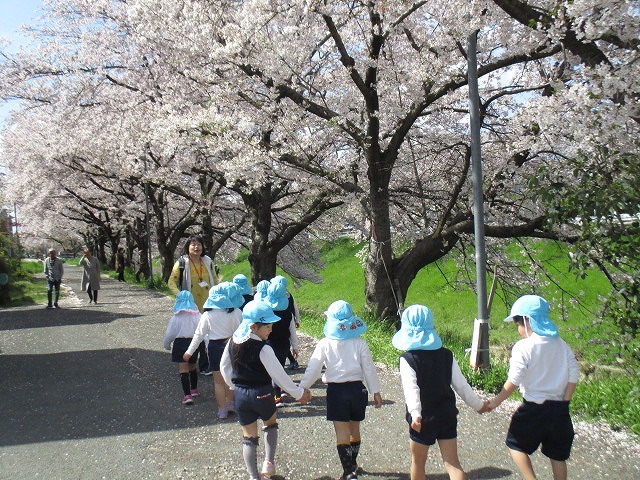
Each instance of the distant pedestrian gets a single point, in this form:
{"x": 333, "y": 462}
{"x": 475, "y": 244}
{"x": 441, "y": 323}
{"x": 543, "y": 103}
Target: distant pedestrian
{"x": 53, "y": 271}
{"x": 218, "y": 322}
{"x": 545, "y": 369}
{"x": 348, "y": 363}
{"x": 180, "y": 330}
{"x": 120, "y": 264}
{"x": 430, "y": 374}
{"x": 249, "y": 365}
{"x": 90, "y": 274}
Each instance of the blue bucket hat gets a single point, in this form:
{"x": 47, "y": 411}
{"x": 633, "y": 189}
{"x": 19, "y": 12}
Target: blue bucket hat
{"x": 243, "y": 283}
{"x": 416, "y": 330}
{"x": 261, "y": 289}
{"x": 256, "y": 311}
{"x": 185, "y": 301}
{"x": 341, "y": 323}
{"x": 218, "y": 298}
{"x": 277, "y": 295}
{"x": 232, "y": 291}
{"x": 537, "y": 309}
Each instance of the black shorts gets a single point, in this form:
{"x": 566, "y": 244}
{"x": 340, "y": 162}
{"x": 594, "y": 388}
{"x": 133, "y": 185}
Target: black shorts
{"x": 253, "y": 403}
{"x": 215, "y": 349}
{"x": 440, "y": 424}
{"x": 346, "y": 402}
{"x": 180, "y": 346}
{"x": 548, "y": 424}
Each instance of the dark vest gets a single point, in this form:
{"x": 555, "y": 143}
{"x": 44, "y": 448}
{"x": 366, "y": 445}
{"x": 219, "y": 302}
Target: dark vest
{"x": 248, "y": 370}
{"x": 280, "y": 330}
{"x": 433, "y": 372}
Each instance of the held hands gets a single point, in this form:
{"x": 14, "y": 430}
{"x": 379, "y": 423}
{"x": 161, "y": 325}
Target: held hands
{"x": 494, "y": 403}
{"x": 186, "y": 357}
{"x": 306, "y": 397}
{"x": 377, "y": 400}
{"x": 486, "y": 407}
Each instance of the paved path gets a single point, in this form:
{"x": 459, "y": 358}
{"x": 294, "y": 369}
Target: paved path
{"x": 87, "y": 392}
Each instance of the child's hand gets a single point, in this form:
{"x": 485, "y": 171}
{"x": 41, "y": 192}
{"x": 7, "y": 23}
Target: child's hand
{"x": 485, "y": 407}
{"x": 294, "y": 352}
{"x": 306, "y": 397}
{"x": 493, "y": 403}
{"x": 417, "y": 424}
{"x": 186, "y": 357}
{"x": 377, "y": 400}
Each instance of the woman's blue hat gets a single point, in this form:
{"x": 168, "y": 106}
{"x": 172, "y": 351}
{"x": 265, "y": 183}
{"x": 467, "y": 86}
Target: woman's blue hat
{"x": 185, "y": 301}
{"x": 416, "y": 330}
{"x": 218, "y": 298}
{"x": 256, "y": 311}
{"x": 261, "y": 289}
{"x": 537, "y": 309}
{"x": 243, "y": 283}
{"x": 341, "y": 323}
{"x": 232, "y": 291}
{"x": 277, "y": 295}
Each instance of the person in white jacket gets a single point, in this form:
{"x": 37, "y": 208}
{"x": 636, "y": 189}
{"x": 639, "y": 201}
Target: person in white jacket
{"x": 349, "y": 365}
{"x": 430, "y": 375}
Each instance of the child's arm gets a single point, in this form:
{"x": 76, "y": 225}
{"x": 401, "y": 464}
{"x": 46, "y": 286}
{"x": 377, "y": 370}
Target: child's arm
{"x": 411, "y": 393}
{"x": 507, "y": 389}
{"x": 170, "y": 334}
{"x": 226, "y": 368}
{"x": 369, "y": 372}
{"x": 277, "y": 373}
{"x": 314, "y": 367}
{"x": 201, "y": 331}
{"x": 463, "y": 389}
{"x": 293, "y": 338}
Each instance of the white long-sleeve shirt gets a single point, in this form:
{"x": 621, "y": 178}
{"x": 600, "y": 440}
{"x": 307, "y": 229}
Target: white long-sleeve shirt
{"x": 182, "y": 325}
{"x": 217, "y": 325}
{"x": 412, "y": 390}
{"x": 542, "y": 367}
{"x": 345, "y": 361}
{"x": 271, "y": 364}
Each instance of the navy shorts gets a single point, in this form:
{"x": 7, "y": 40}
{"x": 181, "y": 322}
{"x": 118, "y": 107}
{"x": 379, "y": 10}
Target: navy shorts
{"x": 215, "y": 349}
{"x": 253, "y": 403}
{"x": 180, "y": 346}
{"x": 548, "y": 424}
{"x": 439, "y": 424}
{"x": 346, "y": 402}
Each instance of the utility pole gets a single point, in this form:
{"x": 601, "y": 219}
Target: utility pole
{"x": 480, "y": 343}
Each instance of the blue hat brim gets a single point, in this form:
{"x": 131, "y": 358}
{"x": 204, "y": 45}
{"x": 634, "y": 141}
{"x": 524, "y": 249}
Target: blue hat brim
{"x": 220, "y": 302}
{"x": 404, "y": 339}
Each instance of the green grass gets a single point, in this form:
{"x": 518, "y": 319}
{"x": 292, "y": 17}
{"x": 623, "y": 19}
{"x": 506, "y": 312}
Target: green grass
{"x": 24, "y": 288}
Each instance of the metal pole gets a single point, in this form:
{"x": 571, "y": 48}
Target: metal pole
{"x": 480, "y": 343}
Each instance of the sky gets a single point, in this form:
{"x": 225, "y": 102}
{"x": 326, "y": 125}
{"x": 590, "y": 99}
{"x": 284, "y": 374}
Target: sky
{"x": 13, "y": 14}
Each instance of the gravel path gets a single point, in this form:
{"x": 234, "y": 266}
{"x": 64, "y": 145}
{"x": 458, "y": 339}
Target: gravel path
{"x": 87, "y": 392}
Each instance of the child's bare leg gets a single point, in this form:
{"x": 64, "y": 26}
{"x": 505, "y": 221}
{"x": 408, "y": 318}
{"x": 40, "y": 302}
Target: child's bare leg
{"x": 559, "y": 469}
{"x": 449, "y": 452}
{"x": 419, "y": 454}
{"x": 220, "y": 390}
{"x": 523, "y": 462}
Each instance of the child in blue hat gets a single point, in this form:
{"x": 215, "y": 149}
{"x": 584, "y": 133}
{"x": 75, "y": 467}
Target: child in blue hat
{"x": 245, "y": 288}
{"x": 249, "y": 365}
{"x": 545, "y": 369}
{"x": 348, "y": 363}
{"x": 180, "y": 330}
{"x": 218, "y": 322}
{"x": 430, "y": 375}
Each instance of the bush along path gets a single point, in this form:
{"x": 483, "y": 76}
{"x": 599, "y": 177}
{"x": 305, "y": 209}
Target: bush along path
{"x": 89, "y": 393}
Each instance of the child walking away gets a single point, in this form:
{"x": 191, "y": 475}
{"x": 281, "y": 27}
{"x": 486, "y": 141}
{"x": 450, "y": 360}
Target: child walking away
{"x": 245, "y": 289}
{"x": 347, "y": 359}
{"x": 545, "y": 369}
{"x": 428, "y": 372}
{"x": 218, "y": 322}
{"x": 249, "y": 365}
{"x": 180, "y": 330}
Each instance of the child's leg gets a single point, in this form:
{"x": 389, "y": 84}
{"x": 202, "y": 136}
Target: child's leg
{"x": 220, "y": 389}
{"x": 559, "y": 469}
{"x": 419, "y": 454}
{"x": 270, "y": 432}
{"x": 523, "y": 462}
{"x": 343, "y": 433}
{"x": 193, "y": 377}
{"x": 90, "y": 293}
{"x": 250, "y": 449}
{"x": 449, "y": 452}
{"x": 183, "y": 368}
{"x": 354, "y": 441}
{"x": 95, "y": 296}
